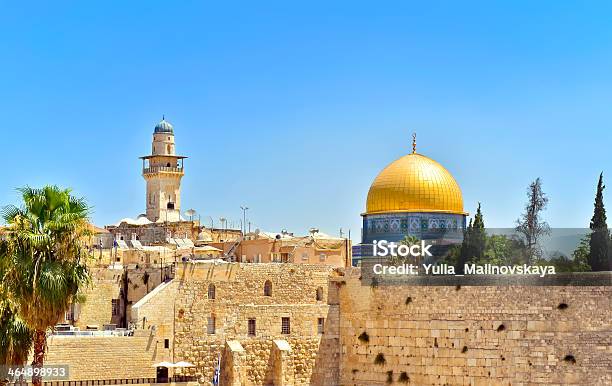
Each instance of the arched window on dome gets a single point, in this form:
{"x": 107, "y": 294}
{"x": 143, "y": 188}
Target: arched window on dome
{"x": 268, "y": 288}
{"x": 212, "y": 291}
{"x": 319, "y": 294}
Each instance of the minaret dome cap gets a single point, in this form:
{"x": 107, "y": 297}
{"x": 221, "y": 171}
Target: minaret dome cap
{"x": 164, "y": 127}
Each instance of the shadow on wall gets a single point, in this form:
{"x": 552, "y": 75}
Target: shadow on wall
{"x": 326, "y": 369}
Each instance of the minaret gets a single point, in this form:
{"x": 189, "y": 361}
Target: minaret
{"x": 163, "y": 170}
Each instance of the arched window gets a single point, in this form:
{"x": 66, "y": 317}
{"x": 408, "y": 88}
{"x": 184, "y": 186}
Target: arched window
{"x": 210, "y": 325}
{"x": 319, "y": 294}
{"x": 168, "y": 147}
{"x": 168, "y": 164}
{"x": 268, "y": 288}
{"x": 212, "y": 291}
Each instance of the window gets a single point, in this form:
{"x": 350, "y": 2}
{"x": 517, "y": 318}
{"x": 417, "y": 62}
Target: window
{"x": 268, "y": 288}
{"x": 70, "y": 313}
{"x": 319, "y": 295}
{"x": 320, "y": 325}
{"x": 211, "y": 291}
{"x": 285, "y": 326}
{"x": 210, "y": 328}
{"x": 322, "y": 257}
{"x": 252, "y": 327}
{"x": 166, "y": 343}
{"x": 115, "y": 306}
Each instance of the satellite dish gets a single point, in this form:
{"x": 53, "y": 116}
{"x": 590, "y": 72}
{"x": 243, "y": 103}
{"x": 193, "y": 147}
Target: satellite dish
{"x": 190, "y": 213}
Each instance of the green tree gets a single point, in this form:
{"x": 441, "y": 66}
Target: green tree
{"x": 464, "y": 252}
{"x": 502, "y": 250}
{"x": 599, "y": 243}
{"x": 530, "y": 226}
{"x": 45, "y": 258}
{"x": 473, "y": 244}
{"x": 407, "y": 240}
{"x": 580, "y": 256}
{"x": 15, "y": 337}
{"x": 478, "y": 237}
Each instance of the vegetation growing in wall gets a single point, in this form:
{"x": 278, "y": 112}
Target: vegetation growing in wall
{"x": 374, "y": 282}
{"x": 403, "y": 378}
{"x": 380, "y": 359}
{"x": 145, "y": 280}
{"x": 390, "y": 376}
{"x": 364, "y": 337}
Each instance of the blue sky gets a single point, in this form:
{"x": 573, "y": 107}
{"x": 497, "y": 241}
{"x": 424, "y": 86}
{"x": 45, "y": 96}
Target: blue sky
{"x": 292, "y": 108}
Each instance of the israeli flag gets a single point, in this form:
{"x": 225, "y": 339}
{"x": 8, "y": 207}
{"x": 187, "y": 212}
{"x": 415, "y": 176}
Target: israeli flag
{"x": 217, "y": 374}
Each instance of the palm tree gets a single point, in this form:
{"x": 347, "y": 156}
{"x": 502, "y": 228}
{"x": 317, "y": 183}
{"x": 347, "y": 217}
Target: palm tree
{"x": 45, "y": 258}
{"x": 15, "y": 336}
{"x": 15, "y": 339}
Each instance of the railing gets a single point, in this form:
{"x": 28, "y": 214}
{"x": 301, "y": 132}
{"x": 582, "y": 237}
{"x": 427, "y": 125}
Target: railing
{"x": 119, "y": 381}
{"x": 85, "y": 333}
{"x": 156, "y": 169}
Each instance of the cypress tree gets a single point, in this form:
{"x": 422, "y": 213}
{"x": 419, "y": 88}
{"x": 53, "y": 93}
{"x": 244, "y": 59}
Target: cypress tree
{"x": 600, "y": 235}
{"x": 478, "y": 236}
{"x": 465, "y": 251}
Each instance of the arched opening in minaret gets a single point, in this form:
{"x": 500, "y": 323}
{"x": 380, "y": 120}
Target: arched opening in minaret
{"x": 170, "y": 205}
{"x": 168, "y": 164}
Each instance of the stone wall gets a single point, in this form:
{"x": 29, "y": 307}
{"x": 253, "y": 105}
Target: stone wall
{"x": 155, "y": 313}
{"x": 95, "y": 357}
{"x": 493, "y": 335}
{"x": 425, "y": 335}
{"x": 96, "y": 309}
{"x": 239, "y": 296}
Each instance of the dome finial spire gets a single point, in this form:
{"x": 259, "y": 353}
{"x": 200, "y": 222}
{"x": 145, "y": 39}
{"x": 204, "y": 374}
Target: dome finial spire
{"x": 413, "y": 143}
{"x": 163, "y": 117}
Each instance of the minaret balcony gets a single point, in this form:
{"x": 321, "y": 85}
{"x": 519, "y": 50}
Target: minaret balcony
{"x": 162, "y": 169}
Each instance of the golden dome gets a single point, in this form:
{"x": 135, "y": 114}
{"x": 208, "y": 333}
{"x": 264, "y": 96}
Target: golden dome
{"x": 414, "y": 183}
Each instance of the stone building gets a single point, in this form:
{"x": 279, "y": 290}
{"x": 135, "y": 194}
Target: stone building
{"x": 285, "y": 247}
